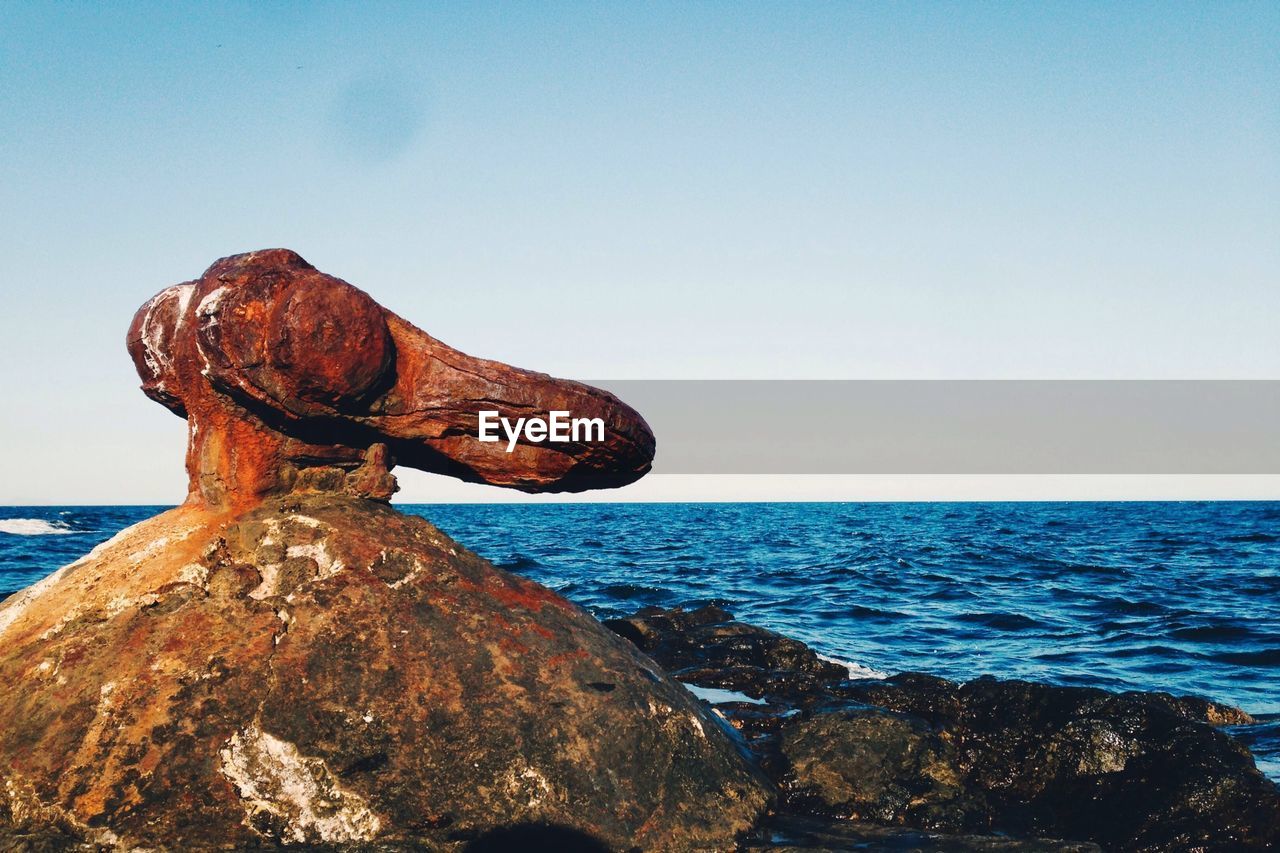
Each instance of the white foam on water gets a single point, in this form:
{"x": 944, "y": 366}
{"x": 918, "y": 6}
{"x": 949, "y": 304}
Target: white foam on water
{"x": 856, "y": 670}
{"x": 1268, "y": 766}
{"x": 34, "y": 527}
{"x": 717, "y": 696}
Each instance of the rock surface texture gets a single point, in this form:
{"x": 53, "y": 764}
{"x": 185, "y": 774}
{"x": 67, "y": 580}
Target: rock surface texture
{"x": 322, "y": 669}
{"x": 1127, "y": 771}
{"x": 290, "y": 378}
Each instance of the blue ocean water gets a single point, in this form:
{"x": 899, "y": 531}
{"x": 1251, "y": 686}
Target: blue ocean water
{"x": 1183, "y": 597}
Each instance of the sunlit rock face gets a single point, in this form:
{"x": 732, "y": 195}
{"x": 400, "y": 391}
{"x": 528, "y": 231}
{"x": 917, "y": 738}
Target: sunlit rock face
{"x": 322, "y": 668}
{"x": 287, "y": 375}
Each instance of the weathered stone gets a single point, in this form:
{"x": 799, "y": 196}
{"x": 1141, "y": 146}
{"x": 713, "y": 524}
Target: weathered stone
{"x": 712, "y": 649}
{"x": 1141, "y": 771}
{"x": 866, "y": 765}
{"x": 295, "y": 380}
{"x": 322, "y": 669}
{"x": 284, "y": 659}
{"x": 1133, "y": 771}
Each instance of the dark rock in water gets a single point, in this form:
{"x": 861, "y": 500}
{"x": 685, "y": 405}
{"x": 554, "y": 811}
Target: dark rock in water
{"x": 707, "y": 641}
{"x": 324, "y": 670}
{"x": 870, "y": 766}
{"x": 1194, "y": 708}
{"x": 1132, "y": 771}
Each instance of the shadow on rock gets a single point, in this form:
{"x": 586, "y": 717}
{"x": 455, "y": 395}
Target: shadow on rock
{"x": 536, "y": 838}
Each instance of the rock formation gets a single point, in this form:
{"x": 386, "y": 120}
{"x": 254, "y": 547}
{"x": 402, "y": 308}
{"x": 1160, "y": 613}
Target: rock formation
{"x": 290, "y": 378}
{"x": 285, "y": 659}
{"x": 1129, "y": 771}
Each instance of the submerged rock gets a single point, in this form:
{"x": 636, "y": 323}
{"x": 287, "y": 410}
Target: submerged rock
{"x": 323, "y": 669}
{"x": 708, "y": 647}
{"x": 1131, "y": 771}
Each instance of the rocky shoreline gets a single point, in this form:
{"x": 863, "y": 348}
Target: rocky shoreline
{"x": 287, "y": 661}
{"x": 918, "y": 762}
{"x": 323, "y": 672}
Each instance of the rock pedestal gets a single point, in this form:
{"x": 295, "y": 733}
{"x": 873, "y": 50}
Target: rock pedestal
{"x": 323, "y": 669}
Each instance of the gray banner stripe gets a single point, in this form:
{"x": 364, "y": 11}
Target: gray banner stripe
{"x": 960, "y": 427}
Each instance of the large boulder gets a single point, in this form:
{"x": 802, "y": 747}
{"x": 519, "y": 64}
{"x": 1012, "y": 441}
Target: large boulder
{"x": 323, "y": 669}
{"x": 1144, "y": 771}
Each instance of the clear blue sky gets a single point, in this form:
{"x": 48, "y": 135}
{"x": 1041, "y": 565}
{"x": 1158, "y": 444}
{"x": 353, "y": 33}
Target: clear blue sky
{"x": 640, "y": 190}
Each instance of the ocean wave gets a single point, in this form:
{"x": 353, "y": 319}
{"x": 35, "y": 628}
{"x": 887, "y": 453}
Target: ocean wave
{"x": 998, "y": 621}
{"x": 1252, "y": 537}
{"x": 516, "y": 562}
{"x": 1254, "y": 657}
{"x": 629, "y": 591}
{"x": 34, "y": 527}
{"x": 856, "y": 670}
{"x": 859, "y": 611}
{"x": 720, "y": 696}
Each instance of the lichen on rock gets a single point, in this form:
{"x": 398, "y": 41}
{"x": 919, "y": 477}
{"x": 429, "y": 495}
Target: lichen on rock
{"x": 291, "y": 797}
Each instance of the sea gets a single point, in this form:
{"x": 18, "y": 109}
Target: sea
{"x": 1175, "y": 596}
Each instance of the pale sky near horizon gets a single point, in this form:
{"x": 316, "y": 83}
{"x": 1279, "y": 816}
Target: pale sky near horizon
{"x": 908, "y": 190}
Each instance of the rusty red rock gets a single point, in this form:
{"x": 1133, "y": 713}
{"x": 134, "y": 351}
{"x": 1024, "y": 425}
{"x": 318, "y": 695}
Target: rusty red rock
{"x": 281, "y": 369}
